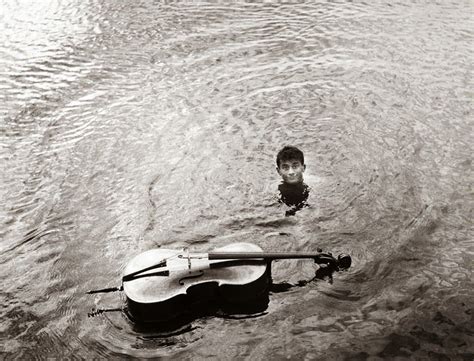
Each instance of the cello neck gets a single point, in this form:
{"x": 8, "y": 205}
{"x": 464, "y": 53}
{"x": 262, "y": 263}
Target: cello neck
{"x": 265, "y": 255}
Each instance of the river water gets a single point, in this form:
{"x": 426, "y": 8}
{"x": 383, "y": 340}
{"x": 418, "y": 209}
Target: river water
{"x": 132, "y": 125}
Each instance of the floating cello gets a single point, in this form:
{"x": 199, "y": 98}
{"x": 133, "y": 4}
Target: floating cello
{"x": 162, "y": 284}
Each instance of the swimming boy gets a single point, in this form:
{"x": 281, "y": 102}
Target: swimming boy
{"x": 290, "y": 166}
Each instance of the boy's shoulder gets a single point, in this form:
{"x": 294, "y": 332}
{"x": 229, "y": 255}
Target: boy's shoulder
{"x": 293, "y": 194}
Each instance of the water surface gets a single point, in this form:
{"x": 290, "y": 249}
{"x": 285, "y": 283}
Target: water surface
{"x": 127, "y": 126}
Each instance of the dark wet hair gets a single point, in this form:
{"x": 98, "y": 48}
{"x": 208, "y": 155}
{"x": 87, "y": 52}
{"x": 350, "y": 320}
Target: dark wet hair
{"x": 289, "y": 153}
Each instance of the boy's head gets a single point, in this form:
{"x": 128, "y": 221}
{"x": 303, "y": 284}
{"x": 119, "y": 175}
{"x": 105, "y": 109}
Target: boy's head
{"x": 290, "y": 165}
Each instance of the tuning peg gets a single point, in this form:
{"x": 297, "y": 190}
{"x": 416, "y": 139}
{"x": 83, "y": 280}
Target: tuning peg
{"x": 344, "y": 261}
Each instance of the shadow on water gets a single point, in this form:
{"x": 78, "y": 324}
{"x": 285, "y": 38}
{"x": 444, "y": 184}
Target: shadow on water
{"x": 183, "y": 321}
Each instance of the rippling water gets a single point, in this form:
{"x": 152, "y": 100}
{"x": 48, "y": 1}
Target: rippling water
{"x": 132, "y": 125}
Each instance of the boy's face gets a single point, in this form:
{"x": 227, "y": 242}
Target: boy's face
{"x": 291, "y": 171}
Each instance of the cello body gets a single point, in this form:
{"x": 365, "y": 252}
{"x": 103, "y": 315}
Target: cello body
{"x": 196, "y": 283}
